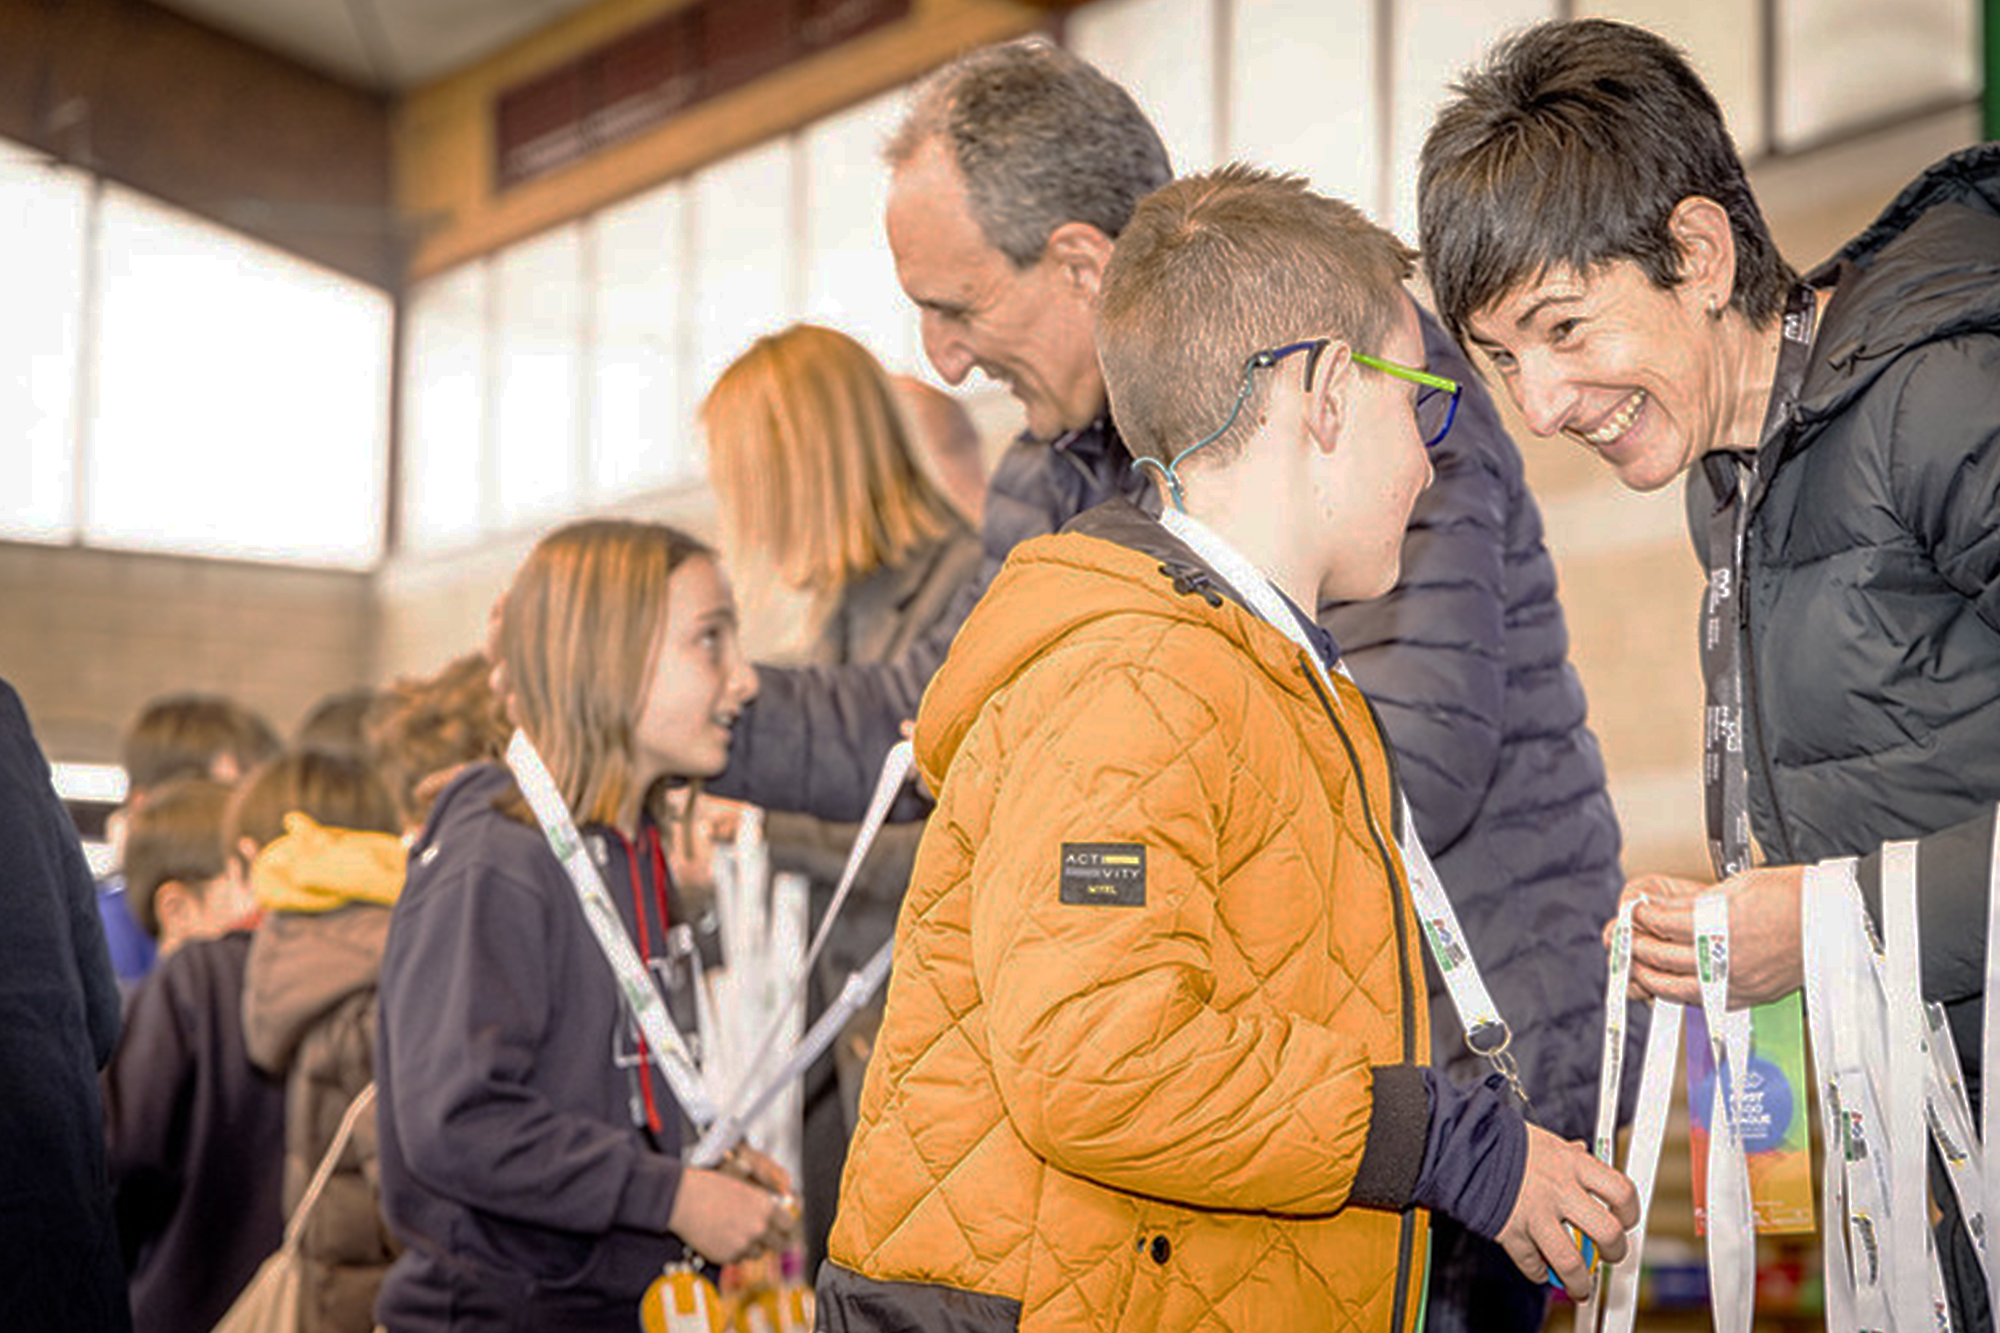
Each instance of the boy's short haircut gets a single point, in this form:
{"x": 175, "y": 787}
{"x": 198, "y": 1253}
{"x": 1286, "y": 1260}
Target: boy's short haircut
{"x": 422, "y": 726}
{"x": 1215, "y": 267}
{"x": 1571, "y": 146}
{"x": 183, "y": 735}
{"x": 175, "y": 834}
{"x": 336, "y": 791}
{"x": 337, "y": 724}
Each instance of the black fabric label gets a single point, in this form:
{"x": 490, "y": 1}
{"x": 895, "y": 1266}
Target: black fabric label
{"x": 1104, "y": 874}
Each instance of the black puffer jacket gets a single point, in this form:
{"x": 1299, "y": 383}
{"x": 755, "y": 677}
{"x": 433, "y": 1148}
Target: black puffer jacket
{"x": 1467, "y": 660}
{"x": 1872, "y": 577}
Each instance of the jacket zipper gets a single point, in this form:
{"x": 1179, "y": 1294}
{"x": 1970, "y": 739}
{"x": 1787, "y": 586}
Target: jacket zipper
{"x": 1407, "y": 1235}
{"x": 1753, "y": 716}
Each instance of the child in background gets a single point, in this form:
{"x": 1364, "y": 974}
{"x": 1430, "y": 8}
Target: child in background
{"x": 530, "y": 1154}
{"x": 422, "y": 730}
{"x": 194, "y": 1131}
{"x": 316, "y": 836}
{"x": 174, "y": 736}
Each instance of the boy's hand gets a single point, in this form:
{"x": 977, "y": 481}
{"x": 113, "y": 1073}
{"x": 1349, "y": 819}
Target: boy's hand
{"x": 1565, "y": 1184}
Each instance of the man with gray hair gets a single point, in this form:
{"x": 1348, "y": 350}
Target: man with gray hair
{"x": 1014, "y": 172}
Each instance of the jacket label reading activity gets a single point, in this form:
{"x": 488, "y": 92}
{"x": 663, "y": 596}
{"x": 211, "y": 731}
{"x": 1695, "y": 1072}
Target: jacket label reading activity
{"x": 1104, "y": 874}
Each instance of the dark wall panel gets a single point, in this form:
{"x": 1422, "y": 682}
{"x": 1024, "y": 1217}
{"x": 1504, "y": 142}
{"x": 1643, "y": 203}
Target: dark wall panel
{"x": 206, "y": 122}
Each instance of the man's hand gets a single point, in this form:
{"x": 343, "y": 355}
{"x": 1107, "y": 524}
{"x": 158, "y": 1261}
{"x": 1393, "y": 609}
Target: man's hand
{"x": 1565, "y": 1184}
{"x": 1765, "y": 961}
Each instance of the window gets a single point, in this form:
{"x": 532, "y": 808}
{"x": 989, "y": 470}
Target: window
{"x": 171, "y": 385}
{"x": 239, "y": 401}
{"x": 43, "y": 222}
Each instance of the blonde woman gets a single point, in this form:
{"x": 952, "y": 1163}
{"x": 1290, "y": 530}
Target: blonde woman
{"x": 822, "y": 488}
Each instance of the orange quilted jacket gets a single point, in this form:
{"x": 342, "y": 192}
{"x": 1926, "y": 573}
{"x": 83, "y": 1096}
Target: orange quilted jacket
{"x": 1155, "y": 957}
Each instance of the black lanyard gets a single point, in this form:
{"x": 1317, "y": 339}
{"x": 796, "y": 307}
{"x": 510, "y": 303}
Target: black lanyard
{"x": 1724, "y": 779}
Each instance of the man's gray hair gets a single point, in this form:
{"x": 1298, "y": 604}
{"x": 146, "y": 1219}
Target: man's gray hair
{"x": 1041, "y": 138}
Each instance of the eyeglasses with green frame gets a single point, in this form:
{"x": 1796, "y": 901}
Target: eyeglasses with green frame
{"x": 1436, "y": 406}
{"x": 1437, "y": 397}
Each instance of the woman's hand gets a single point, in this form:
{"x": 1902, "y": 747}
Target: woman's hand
{"x": 1765, "y": 960}
{"x": 727, "y": 1219}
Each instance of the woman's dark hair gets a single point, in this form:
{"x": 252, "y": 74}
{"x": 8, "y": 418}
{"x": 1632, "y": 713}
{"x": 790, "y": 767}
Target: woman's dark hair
{"x": 1571, "y": 147}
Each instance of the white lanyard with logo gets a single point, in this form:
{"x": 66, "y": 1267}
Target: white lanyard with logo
{"x": 720, "y": 1133}
{"x": 1878, "y": 1053}
{"x": 1486, "y": 1032}
{"x": 635, "y": 984}
{"x": 1732, "y": 1223}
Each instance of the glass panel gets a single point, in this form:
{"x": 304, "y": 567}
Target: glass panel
{"x": 1435, "y": 40}
{"x": 640, "y": 433}
{"x": 1277, "y": 51}
{"x": 240, "y": 404}
{"x": 444, "y": 386}
{"x": 1163, "y": 52}
{"x": 1845, "y": 63}
{"x": 538, "y": 320}
{"x": 743, "y": 260}
{"x": 850, "y": 272}
{"x": 1725, "y": 41}
{"x": 43, "y": 213}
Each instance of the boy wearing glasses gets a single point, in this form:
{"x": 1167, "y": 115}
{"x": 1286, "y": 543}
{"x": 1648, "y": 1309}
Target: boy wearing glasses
{"x": 1156, "y": 1054}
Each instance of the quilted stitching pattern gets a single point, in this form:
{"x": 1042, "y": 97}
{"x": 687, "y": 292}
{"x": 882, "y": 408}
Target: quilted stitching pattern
{"x": 1075, "y": 713}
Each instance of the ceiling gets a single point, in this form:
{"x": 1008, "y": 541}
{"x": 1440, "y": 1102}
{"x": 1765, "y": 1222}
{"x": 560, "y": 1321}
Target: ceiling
{"x": 382, "y": 45}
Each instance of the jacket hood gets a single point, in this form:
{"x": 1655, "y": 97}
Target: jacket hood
{"x": 301, "y": 966}
{"x": 1112, "y": 562}
{"x": 1927, "y": 269}
{"x": 313, "y": 868}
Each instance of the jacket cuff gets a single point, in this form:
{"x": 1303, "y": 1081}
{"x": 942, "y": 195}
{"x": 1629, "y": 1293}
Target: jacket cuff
{"x": 1398, "y": 1129}
{"x": 647, "y": 1201}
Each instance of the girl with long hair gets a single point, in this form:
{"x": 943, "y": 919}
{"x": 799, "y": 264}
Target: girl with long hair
{"x": 531, "y": 1153}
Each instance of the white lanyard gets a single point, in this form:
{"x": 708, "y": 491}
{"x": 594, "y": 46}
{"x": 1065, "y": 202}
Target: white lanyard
{"x": 1610, "y": 1073}
{"x": 1989, "y": 1113}
{"x": 1732, "y": 1227}
{"x": 1880, "y": 1090}
{"x": 635, "y": 984}
{"x": 1486, "y": 1032}
{"x": 749, "y": 1100}
{"x": 1642, "y": 1158}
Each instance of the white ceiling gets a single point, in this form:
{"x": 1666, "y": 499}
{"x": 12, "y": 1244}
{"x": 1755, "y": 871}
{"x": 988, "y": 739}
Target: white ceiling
{"x": 384, "y": 45}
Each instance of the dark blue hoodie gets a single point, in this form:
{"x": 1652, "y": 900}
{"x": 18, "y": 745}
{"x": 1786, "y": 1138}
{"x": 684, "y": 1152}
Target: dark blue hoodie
{"x": 513, "y": 1169}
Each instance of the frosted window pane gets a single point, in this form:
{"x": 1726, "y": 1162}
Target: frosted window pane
{"x": 539, "y": 321}
{"x": 640, "y": 435}
{"x": 43, "y": 210}
{"x": 1435, "y": 41}
{"x": 1276, "y": 50}
{"x": 241, "y": 397}
{"x": 444, "y": 388}
{"x": 1163, "y": 53}
{"x": 1725, "y": 41}
{"x": 850, "y": 272}
{"x": 1843, "y": 63}
{"x": 743, "y": 257}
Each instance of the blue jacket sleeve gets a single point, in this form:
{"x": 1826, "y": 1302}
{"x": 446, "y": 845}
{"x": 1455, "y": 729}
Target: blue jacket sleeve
{"x": 1431, "y": 653}
{"x": 813, "y": 739}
